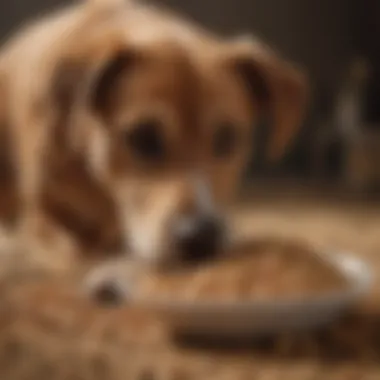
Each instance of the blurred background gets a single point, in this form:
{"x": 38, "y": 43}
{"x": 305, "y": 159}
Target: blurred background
{"x": 338, "y": 44}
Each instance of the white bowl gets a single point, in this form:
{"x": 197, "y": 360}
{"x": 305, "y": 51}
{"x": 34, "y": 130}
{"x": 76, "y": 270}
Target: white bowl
{"x": 260, "y": 317}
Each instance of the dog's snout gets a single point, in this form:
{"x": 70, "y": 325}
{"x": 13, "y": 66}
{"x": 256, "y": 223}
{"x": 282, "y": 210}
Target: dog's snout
{"x": 199, "y": 238}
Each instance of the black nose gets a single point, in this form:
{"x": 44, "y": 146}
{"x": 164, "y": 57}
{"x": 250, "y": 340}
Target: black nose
{"x": 107, "y": 294}
{"x": 201, "y": 240}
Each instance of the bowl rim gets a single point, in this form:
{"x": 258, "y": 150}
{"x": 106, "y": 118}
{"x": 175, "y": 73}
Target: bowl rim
{"x": 356, "y": 272}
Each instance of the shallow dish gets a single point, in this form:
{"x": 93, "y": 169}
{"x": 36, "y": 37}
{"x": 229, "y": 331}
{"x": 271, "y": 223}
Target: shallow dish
{"x": 231, "y": 318}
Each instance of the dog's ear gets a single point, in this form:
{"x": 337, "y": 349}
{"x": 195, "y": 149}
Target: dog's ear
{"x": 106, "y": 78}
{"x": 279, "y": 89}
{"x": 84, "y": 79}
{"x": 90, "y": 78}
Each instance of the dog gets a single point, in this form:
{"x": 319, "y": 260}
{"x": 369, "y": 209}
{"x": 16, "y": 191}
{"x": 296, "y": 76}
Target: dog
{"x": 129, "y": 128}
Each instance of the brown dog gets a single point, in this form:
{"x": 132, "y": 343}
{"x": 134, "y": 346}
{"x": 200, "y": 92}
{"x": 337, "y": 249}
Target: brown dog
{"x": 127, "y": 118}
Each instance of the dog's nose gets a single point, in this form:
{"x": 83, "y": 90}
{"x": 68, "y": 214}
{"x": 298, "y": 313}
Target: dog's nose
{"x": 199, "y": 238}
{"x": 107, "y": 293}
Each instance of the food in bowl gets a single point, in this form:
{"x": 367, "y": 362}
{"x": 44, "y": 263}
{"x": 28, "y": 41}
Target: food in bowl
{"x": 269, "y": 269}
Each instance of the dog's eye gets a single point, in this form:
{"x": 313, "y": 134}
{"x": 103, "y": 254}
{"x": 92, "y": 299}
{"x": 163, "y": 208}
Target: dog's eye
{"x": 146, "y": 141}
{"x": 225, "y": 140}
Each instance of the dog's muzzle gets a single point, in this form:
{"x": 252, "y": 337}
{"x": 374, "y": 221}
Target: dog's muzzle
{"x": 198, "y": 238}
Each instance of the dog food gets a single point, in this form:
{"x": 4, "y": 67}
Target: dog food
{"x": 257, "y": 272}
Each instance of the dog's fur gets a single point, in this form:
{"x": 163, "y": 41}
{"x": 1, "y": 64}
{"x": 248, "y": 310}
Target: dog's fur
{"x": 74, "y": 84}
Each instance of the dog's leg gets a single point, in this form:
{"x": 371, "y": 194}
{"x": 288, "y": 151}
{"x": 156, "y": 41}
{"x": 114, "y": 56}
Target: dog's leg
{"x": 44, "y": 242}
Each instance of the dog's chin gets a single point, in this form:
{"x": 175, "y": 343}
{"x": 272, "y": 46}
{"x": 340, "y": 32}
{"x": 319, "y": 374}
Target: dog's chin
{"x": 153, "y": 257}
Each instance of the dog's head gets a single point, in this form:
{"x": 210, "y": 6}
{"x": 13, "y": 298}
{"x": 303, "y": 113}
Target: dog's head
{"x": 166, "y": 119}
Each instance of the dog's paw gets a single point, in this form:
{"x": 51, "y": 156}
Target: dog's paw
{"x": 112, "y": 284}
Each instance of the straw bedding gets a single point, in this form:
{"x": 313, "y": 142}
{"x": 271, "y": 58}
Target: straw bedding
{"x": 48, "y": 331}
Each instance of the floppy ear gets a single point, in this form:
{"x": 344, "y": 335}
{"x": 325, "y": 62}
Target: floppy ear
{"x": 106, "y": 78}
{"x": 90, "y": 73}
{"x": 86, "y": 78}
{"x": 279, "y": 88}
